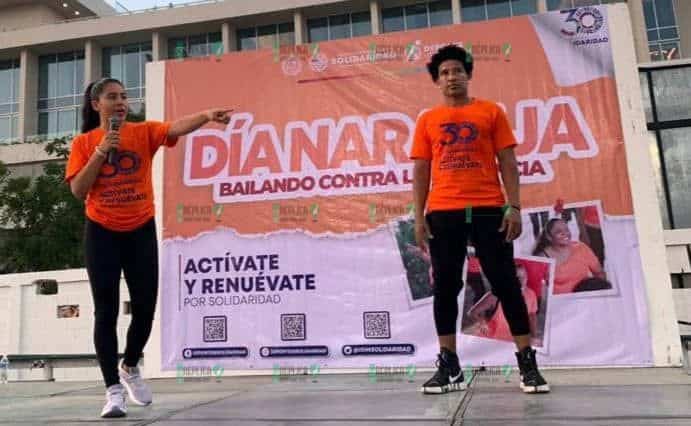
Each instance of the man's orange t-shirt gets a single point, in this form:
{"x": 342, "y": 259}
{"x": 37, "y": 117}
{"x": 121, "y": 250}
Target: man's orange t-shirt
{"x": 462, "y": 144}
{"x": 122, "y": 197}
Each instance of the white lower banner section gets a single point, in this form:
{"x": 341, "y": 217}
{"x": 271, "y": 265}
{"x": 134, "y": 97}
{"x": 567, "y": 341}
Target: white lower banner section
{"x": 255, "y": 302}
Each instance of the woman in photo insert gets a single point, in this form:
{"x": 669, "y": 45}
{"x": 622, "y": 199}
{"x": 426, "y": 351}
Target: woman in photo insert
{"x": 577, "y": 267}
{"x": 488, "y": 312}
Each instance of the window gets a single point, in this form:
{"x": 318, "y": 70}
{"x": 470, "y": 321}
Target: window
{"x": 60, "y": 91}
{"x": 666, "y": 91}
{"x": 339, "y": 26}
{"x": 682, "y": 280}
{"x": 568, "y": 4}
{"x": 482, "y": 10}
{"x": 196, "y": 45}
{"x": 266, "y": 36}
{"x": 420, "y": 15}
{"x": 672, "y": 91}
{"x": 247, "y": 39}
{"x": 416, "y": 16}
{"x": 128, "y": 64}
{"x": 676, "y": 152}
{"x": 360, "y": 24}
{"x": 392, "y": 19}
{"x": 663, "y": 33}
{"x": 9, "y": 100}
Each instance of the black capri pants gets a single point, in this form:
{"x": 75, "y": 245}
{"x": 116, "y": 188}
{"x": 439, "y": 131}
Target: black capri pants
{"x": 448, "y": 248}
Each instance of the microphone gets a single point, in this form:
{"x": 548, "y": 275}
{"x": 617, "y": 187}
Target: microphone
{"x": 114, "y": 123}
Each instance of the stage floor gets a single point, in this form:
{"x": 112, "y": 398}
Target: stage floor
{"x": 632, "y": 396}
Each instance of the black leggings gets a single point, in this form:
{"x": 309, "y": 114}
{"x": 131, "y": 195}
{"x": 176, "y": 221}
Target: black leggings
{"x": 450, "y": 231}
{"x": 108, "y": 253}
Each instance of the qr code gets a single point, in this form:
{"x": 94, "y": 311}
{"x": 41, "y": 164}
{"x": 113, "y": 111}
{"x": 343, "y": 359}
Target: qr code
{"x": 377, "y": 325}
{"x": 216, "y": 329}
{"x": 293, "y": 327}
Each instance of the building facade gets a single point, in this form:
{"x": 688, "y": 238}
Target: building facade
{"x": 49, "y": 51}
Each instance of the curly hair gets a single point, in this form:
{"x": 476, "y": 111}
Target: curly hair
{"x": 450, "y": 52}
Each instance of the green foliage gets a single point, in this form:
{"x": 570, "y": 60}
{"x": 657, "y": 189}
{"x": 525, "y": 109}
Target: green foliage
{"x": 43, "y": 222}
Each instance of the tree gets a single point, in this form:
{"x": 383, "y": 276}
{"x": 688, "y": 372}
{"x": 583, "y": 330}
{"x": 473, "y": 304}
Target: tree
{"x": 44, "y": 222}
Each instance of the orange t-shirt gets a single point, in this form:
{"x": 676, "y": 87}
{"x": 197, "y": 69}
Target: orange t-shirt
{"x": 121, "y": 198}
{"x": 462, "y": 143}
{"x": 580, "y": 264}
{"x": 498, "y": 326}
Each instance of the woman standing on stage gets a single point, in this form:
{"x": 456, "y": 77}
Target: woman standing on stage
{"x": 111, "y": 170}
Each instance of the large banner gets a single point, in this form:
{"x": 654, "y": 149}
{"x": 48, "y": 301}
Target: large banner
{"x": 288, "y": 234}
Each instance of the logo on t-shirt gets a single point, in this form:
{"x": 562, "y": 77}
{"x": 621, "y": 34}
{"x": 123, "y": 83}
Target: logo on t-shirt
{"x": 124, "y": 163}
{"x": 464, "y": 132}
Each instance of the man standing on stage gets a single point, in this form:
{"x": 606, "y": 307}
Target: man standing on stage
{"x": 457, "y": 147}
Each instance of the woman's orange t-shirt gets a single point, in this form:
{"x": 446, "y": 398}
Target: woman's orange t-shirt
{"x": 122, "y": 197}
{"x": 580, "y": 264}
{"x": 462, "y": 144}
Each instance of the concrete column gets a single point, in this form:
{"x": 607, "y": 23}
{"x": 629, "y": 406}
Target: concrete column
{"x": 300, "y": 24}
{"x": 541, "y": 6}
{"x": 663, "y": 328}
{"x": 375, "y": 16}
{"x": 456, "y": 11}
{"x": 640, "y": 35}
{"x": 159, "y": 46}
{"x": 28, "y": 94}
{"x": 14, "y": 333}
{"x": 230, "y": 39}
{"x": 93, "y": 63}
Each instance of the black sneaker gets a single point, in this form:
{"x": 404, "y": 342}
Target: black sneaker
{"x": 531, "y": 379}
{"x": 448, "y": 377}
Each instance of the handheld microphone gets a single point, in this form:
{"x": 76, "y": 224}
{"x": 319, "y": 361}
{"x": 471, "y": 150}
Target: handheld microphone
{"x": 114, "y": 123}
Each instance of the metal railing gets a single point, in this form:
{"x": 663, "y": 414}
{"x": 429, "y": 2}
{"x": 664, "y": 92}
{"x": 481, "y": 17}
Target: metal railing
{"x": 48, "y": 137}
{"x": 137, "y": 11}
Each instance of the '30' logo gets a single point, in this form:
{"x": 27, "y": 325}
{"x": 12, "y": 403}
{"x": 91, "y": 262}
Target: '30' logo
{"x": 464, "y": 132}
{"x": 124, "y": 163}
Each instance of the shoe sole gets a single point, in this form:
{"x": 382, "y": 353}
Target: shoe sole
{"x": 114, "y": 414}
{"x": 130, "y": 393}
{"x": 535, "y": 389}
{"x": 454, "y": 387}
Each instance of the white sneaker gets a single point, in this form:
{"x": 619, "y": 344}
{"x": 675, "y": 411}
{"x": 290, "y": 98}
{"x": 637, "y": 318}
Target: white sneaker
{"x": 116, "y": 406}
{"x": 139, "y": 392}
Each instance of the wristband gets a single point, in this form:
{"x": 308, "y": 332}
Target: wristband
{"x": 508, "y": 207}
{"x": 98, "y": 151}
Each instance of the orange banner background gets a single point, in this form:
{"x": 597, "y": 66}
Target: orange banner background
{"x": 511, "y": 66}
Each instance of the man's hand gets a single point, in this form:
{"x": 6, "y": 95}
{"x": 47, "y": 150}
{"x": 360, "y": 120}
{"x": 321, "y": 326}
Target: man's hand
{"x": 511, "y": 224}
{"x": 422, "y": 234}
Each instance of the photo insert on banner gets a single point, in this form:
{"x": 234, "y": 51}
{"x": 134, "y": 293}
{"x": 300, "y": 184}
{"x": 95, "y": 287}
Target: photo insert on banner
{"x": 572, "y": 235}
{"x": 417, "y": 263}
{"x": 482, "y": 313}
